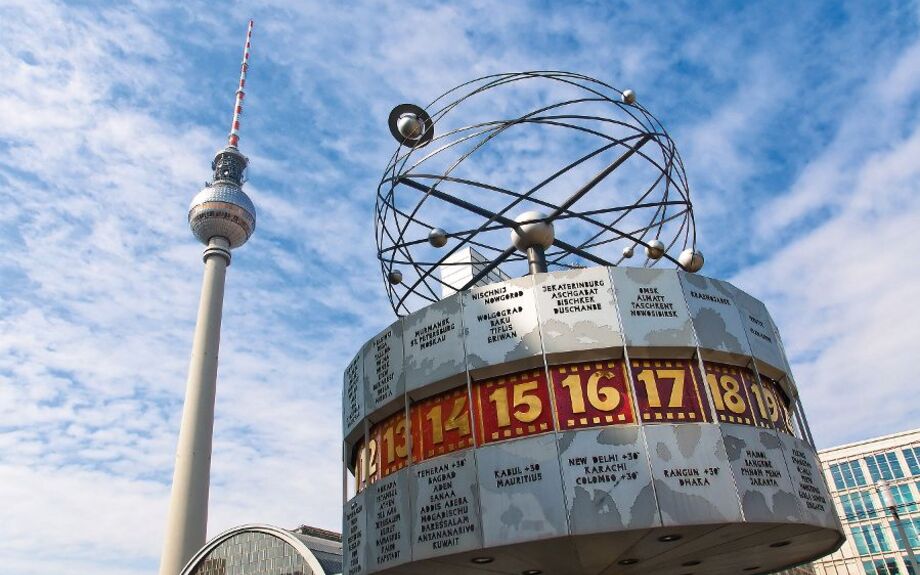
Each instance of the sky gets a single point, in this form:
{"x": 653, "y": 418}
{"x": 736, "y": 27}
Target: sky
{"x": 797, "y": 123}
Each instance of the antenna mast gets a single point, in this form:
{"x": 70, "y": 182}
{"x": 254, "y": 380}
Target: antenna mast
{"x": 234, "y": 136}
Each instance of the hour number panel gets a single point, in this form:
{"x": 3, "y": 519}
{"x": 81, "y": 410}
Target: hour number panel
{"x": 364, "y": 462}
{"x": 592, "y": 394}
{"x": 772, "y": 408}
{"x": 392, "y": 439}
{"x": 441, "y": 424}
{"x": 669, "y": 391}
{"x": 512, "y": 406}
{"x": 730, "y": 389}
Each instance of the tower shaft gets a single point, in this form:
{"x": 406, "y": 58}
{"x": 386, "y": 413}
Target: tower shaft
{"x": 187, "y": 521}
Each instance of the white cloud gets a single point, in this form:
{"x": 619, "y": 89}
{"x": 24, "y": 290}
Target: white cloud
{"x": 842, "y": 289}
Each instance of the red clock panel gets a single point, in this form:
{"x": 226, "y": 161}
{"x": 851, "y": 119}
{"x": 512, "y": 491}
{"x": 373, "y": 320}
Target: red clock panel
{"x": 730, "y": 389}
{"x": 669, "y": 391}
{"x": 592, "y": 394}
{"x": 512, "y": 406}
{"x": 441, "y": 424}
{"x": 392, "y": 438}
{"x": 777, "y": 405}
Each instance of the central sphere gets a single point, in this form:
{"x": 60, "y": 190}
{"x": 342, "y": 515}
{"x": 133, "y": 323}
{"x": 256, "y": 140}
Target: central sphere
{"x": 222, "y": 210}
{"x": 533, "y": 233}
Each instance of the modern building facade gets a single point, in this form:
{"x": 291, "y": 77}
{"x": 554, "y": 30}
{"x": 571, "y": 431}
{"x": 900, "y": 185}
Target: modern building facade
{"x": 874, "y": 545}
{"x": 257, "y": 549}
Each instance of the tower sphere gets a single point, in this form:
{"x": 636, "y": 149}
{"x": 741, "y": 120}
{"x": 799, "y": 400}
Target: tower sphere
{"x": 222, "y": 210}
{"x": 532, "y": 233}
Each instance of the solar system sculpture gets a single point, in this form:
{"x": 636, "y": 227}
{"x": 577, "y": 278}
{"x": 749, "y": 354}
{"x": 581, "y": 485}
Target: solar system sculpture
{"x": 539, "y": 406}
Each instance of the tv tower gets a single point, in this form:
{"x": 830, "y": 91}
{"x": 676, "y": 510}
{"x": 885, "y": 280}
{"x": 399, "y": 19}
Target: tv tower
{"x": 222, "y": 217}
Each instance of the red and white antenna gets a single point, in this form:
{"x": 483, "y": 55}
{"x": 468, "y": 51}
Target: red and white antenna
{"x": 234, "y": 136}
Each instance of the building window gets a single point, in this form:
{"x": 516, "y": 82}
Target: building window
{"x": 910, "y": 566}
{"x": 912, "y": 455}
{"x": 882, "y": 567}
{"x": 884, "y": 466}
{"x": 904, "y": 498}
{"x": 858, "y": 505}
{"x": 847, "y": 474}
{"x": 869, "y": 538}
{"x": 912, "y": 527}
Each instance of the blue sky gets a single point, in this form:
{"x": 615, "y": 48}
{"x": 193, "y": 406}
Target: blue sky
{"x": 797, "y": 122}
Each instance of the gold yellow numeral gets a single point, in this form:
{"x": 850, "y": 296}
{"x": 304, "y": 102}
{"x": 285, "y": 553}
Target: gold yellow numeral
{"x": 527, "y": 408}
{"x": 437, "y": 425}
{"x": 650, "y": 378}
{"x": 726, "y": 393}
{"x": 359, "y": 468}
{"x": 371, "y": 457}
{"x": 366, "y": 466}
{"x": 458, "y": 419}
{"x": 601, "y": 398}
{"x": 394, "y": 449}
{"x": 766, "y": 403}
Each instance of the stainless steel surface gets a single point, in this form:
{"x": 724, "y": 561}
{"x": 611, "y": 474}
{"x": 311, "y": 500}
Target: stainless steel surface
{"x": 353, "y": 394}
{"x": 691, "y": 260}
{"x": 388, "y": 521}
{"x": 692, "y": 475}
{"x": 501, "y": 327}
{"x": 578, "y": 315}
{"x": 409, "y": 126}
{"x": 653, "y": 312}
{"x": 607, "y": 480}
{"x": 536, "y": 260}
{"x": 716, "y": 319}
{"x": 222, "y": 210}
{"x": 661, "y": 493}
{"x": 603, "y": 170}
{"x": 384, "y": 375}
{"x": 445, "y": 506}
{"x": 532, "y": 230}
{"x": 521, "y": 490}
{"x": 437, "y": 238}
{"x": 434, "y": 345}
{"x": 354, "y": 536}
{"x": 655, "y": 249}
{"x": 763, "y": 481}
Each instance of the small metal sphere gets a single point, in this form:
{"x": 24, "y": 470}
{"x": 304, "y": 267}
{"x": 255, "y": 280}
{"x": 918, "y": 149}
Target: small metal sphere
{"x": 395, "y": 277}
{"x": 654, "y": 249}
{"x": 410, "y": 126}
{"x": 691, "y": 260}
{"x": 628, "y": 252}
{"x": 534, "y": 233}
{"x": 629, "y": 97}
{"x": 437, "y": 237}
{"x": 222, "y": 210}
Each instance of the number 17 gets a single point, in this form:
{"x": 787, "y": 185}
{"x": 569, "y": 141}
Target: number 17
{"x": 650, "y": 379}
